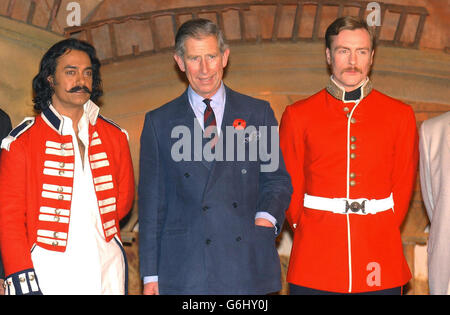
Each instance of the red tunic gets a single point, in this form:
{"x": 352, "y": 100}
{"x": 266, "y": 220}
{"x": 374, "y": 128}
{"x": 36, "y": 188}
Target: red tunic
{"x": 36, "y": 179}
{"x": 349, "y": 252}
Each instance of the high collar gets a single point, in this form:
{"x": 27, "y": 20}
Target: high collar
{"x": 339, "y": 92}
{"x": 55, "y": 120}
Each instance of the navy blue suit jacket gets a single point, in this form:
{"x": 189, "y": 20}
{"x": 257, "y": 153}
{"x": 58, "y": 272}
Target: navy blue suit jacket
{"x": 197, "y": 218}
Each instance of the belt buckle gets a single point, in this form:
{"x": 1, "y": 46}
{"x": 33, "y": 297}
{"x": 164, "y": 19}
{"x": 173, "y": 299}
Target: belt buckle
{"x": 355, "y": 206}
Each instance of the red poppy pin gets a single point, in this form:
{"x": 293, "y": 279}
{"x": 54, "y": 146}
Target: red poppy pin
{"x": 239, "y": 124}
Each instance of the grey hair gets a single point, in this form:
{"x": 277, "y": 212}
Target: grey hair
{"x": 198, "y": 28}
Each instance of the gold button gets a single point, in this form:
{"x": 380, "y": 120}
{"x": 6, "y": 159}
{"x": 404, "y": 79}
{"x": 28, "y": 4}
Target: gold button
{"x": 353, "y": 120}
{"x": 352, "y": 183}
{"x": 31, "y": 277}
{"x": 353, "y": 146}
{"x": 60, "y": 197}
{"x": 352, "y": 175}
{"x": 61, "y": 172}
{"x": 346, "y": 109}
{"x": 62, "y": 164}
{"x": 56, "y": 218}
{"x": 63, "y": 146}
{"x": 55, "y": 243}
{"x": 22, "y": 279}
{"x": 353, "y": 156}
{"x": 55, "y": 235}
{"x": 352, "y": 138}
{"x": 57, "y": 211}
{"x": 60, "y": 189}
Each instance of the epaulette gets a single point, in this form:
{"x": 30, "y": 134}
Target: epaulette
{"x": 16, "y": 132}
{"x": 114, "y": 124}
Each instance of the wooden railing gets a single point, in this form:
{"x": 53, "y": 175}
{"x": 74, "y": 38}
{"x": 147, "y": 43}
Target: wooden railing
{"x": 246, "y": 34}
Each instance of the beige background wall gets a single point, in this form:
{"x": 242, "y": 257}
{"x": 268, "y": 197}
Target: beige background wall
{"x": 21, "y": 49}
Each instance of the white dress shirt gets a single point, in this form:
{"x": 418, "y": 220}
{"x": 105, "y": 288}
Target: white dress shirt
{"x": 89, "y": 265}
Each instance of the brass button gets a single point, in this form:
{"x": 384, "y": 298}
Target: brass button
{"x": 353, "y": 156}
{"x": 56, "y": 218}
{"x": 346, "y": 109}
{"x": 31, "y": 277}
{"x": 60, "y": 189}
{"x": 61, "y": 172}
{"x": 353, "y": 146}
{"x": 22, "y": 279}
{"x": 62, "y": 164}
{"x": 57, "y": 211}
{"x": 55, "y": 235}
{"x": 55, "y": 243}
{"x": 352, "y": 183}
{"x": 60, "y": 197}
{"x": 352, "y": 138}
{"x": 352, "y": 175}
{"x": 63, "y": 146}
{"x": 353, "y": 120}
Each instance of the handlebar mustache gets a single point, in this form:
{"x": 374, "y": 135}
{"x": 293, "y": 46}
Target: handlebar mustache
{"x": 79, "y": 88}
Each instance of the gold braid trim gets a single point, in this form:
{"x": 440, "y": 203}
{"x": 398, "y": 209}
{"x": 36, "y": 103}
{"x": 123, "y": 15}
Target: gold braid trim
{"x": 338, "y": 92}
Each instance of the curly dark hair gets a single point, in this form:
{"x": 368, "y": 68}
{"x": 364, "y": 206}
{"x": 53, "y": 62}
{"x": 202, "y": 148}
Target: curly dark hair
{"x": 42, "y": 90}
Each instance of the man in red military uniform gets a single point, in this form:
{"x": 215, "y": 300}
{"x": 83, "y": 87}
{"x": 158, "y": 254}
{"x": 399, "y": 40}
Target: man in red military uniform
{"x": 66, "y": 180}
{"x": 352, "y": 155}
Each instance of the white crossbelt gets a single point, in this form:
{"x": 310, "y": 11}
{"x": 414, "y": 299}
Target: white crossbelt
{"x": 361, "y": 206}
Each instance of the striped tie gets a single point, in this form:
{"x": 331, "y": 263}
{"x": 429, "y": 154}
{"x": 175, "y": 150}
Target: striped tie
{"x": 209, "y": 120}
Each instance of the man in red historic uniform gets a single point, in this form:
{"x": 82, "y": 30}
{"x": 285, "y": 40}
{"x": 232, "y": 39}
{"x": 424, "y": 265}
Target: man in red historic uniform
{"x": 352, "y": 154}
{"x": 66, "y": 179}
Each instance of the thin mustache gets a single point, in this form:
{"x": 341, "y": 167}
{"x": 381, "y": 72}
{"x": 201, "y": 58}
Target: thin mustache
{"x": 79, "y": 88}
{"x": 352, "y": 69}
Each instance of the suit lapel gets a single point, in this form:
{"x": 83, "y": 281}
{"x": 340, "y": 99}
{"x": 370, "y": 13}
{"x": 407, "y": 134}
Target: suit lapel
{"x": 233, "y": 110}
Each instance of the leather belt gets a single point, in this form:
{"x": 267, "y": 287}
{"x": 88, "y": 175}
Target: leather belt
{"x": 361, "y": 206}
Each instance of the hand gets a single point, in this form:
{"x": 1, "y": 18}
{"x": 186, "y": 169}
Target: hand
{"x": 263, "y": 222}
{"x": 151, "y": 288}
{"x": 2, "y": 289}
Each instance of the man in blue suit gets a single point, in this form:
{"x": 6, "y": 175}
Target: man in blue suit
{"x": 213, "y": 186}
